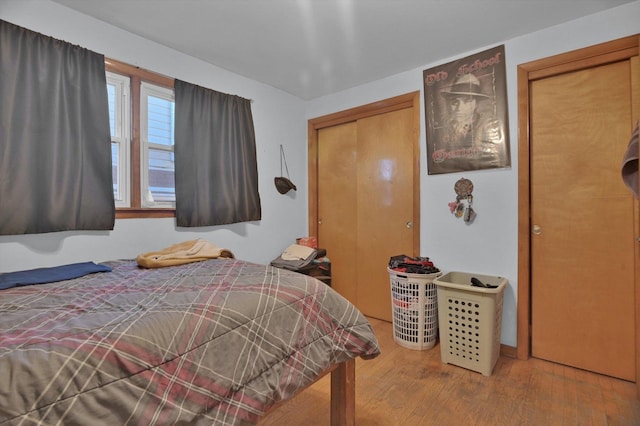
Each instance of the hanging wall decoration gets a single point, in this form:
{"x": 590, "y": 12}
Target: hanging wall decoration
{"x": 466, "y": 114}
{"x": 461, "y": 207}
{"x": 283, "y": 184}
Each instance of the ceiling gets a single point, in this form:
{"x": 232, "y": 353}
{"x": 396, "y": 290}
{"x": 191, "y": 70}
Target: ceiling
{"x": 311, "y": 48}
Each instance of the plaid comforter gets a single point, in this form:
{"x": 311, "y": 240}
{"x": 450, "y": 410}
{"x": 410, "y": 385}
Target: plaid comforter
{"x": 213, "y": 342}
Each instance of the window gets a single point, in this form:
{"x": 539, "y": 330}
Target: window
{"x": 156, "y": 130}
{"x": 118, "y": 90}
{"x": 141, "y": 117}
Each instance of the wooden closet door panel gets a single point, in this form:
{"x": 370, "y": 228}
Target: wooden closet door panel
{"x": 582, "y": 247}
{"x": 635, "y": 119}
{"x": 385, "y": 204}
{"x": 363, "y": 170}
{"x": 337, "y": 207}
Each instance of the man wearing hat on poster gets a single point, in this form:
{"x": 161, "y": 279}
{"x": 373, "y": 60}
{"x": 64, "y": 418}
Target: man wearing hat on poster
{"x": 473, "y": 132}
{"x": 462, "y": 106}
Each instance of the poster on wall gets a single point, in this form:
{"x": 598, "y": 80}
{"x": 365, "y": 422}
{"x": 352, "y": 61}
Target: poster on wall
{"x": 466, "y": 114}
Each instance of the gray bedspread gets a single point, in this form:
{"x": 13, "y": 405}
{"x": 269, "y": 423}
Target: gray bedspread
{"x": 213, "y": 342}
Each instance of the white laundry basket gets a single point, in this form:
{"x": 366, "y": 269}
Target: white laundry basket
{"x": 414, "y": 304}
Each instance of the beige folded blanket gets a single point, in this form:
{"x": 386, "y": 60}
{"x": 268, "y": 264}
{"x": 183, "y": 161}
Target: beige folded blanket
{"x": 181, "y": 253}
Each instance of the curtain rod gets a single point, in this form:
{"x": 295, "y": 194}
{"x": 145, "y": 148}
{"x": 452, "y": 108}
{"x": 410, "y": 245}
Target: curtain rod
{"x": 151, "y": 75}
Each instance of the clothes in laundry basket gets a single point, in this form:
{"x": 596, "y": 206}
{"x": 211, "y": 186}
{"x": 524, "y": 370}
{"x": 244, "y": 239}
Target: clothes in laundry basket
{"x": 412, "y": 265}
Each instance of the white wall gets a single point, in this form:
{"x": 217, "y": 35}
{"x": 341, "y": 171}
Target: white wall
{"x": 490, "y": 244}
{"x": 278, "y": 118}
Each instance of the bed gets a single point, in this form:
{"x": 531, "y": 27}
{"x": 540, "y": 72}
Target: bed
{"x": 219, "y": 341}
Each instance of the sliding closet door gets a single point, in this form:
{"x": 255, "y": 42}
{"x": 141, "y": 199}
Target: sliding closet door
{"x": 366, "y": 201}
{"x": 385, "y": 204}
{"x": 337, "y": 204}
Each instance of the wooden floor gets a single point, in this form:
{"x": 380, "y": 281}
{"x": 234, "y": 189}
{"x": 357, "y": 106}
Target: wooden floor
{"x": 410, "y": 387}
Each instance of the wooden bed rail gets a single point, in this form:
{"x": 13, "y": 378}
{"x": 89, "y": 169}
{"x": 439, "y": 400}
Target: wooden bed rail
{"x": 343, "y": 393}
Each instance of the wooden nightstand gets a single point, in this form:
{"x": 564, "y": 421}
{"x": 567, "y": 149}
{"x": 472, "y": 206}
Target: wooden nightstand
{"x": 320, "y": 269}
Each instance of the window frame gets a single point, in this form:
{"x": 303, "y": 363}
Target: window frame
{"x": 136, "y": 76}
{"x": 151, "y": 90}
{"x": 122, "y": 136}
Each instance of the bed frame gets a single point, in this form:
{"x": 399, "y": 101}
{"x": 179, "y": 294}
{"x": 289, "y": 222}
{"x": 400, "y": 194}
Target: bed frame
{"x": 343, "y": 393}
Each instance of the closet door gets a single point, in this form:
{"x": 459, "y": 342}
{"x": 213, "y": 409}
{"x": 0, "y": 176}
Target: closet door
{"x": 337, "y": 204}
{"x": 366, "y": 202}
{"x": 384, "y": 204}
{"x": 582, "y": 216}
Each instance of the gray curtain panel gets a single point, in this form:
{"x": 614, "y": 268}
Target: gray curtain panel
{"x": 55, "y": 143}
{"x": 216, "y": 170}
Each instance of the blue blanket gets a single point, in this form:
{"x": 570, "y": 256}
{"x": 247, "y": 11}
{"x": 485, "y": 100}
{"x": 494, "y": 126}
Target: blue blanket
{"x": 49, "y": 275}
